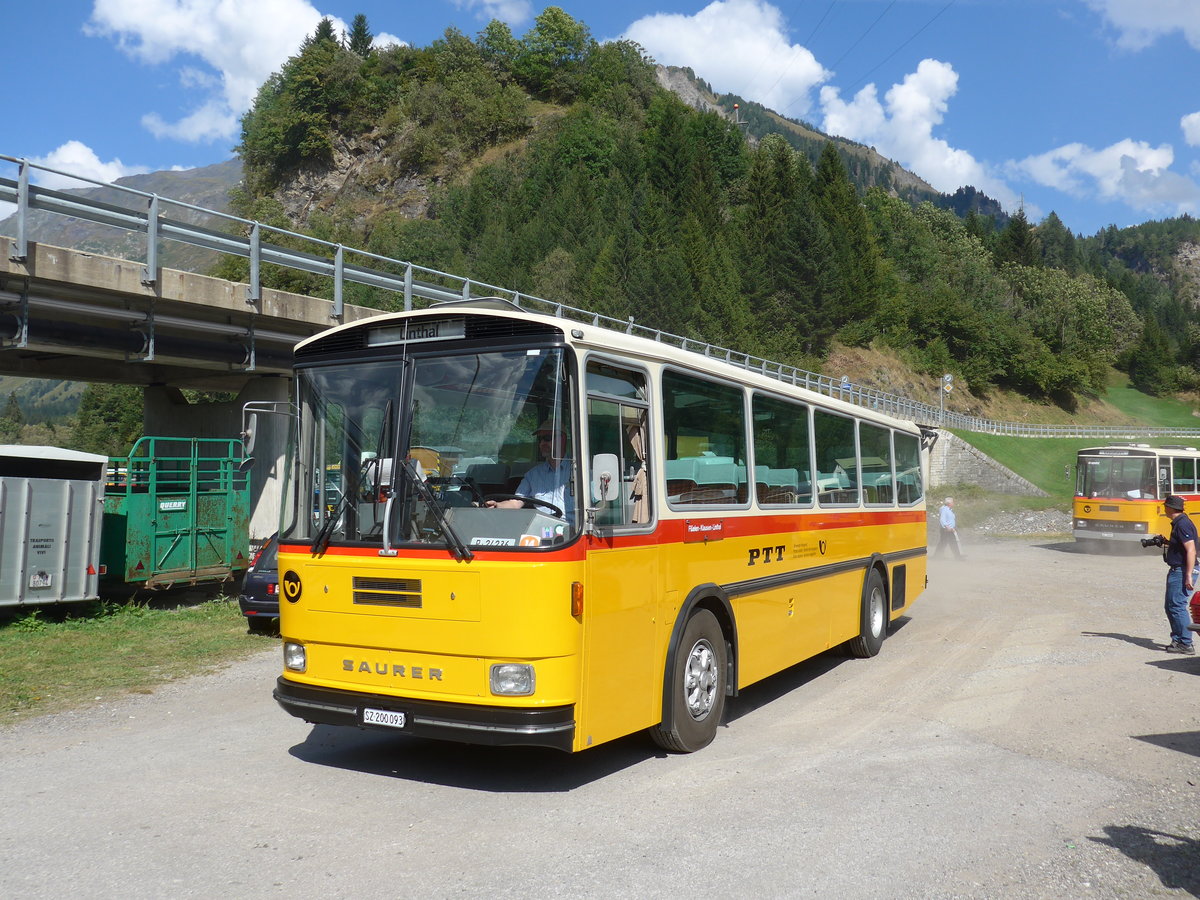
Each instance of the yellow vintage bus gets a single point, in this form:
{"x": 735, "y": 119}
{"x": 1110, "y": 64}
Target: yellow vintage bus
{"x": 1120, "y": 489}
{"x": 552, "y": 533}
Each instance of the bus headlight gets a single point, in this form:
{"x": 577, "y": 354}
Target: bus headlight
{"x": 513, "y": 679}
{"x": 294, "y": 657}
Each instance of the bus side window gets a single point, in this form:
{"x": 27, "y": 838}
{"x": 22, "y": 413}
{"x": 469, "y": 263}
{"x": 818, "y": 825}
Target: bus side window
{"x": 705, "y": 431}
{"x": 837, "y": 459}
{"x": 1185, "y": 475}
{"x": 781, "y": 452}
{"x": 621, "y": 429}
{"x": 878, "y": 479}
{"x": 909, "y": 486}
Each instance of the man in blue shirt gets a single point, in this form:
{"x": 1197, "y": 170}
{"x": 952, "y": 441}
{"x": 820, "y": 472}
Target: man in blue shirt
{"x": 551, "y": 479}
{"x": 949, "y": 533}
{"x": 1180, "y": 555}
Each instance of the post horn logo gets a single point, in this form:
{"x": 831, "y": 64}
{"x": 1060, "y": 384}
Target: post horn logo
{"x": 290, "y": 584}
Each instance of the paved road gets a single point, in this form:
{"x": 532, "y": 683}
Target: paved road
{"x": 1019, "y": 737}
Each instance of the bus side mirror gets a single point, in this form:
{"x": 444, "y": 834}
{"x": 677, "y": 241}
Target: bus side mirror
{"x": 606, "y": 477}
{"x": 249, "y": 431}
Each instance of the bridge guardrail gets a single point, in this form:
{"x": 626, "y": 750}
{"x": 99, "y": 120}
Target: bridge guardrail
{"x": 146, "y": 216}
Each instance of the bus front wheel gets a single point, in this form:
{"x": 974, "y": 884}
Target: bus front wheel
{"x": 695, "y": 689}
{"x": 873, "y": 618}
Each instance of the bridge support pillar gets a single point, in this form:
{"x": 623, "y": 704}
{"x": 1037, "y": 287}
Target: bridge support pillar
{"x": 167, "y": 413}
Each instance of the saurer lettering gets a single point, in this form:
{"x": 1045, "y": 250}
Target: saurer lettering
{"x": 381, "y": 668}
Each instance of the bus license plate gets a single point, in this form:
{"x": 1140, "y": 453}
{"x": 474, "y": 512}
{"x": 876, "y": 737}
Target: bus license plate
{"x": 385, "y": 717}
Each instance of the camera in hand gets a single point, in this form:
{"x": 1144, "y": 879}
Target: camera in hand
{"x": 1156, "y": 540}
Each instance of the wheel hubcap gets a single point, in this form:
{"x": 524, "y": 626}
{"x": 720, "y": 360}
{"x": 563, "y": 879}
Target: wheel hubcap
{"x": 700, "y": 679}
{"x": 877, "y": 612}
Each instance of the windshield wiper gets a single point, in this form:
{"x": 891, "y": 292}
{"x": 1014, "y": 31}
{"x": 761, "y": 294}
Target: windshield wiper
{"x": 460, "y": 550}
{"x": 321, "y": 541}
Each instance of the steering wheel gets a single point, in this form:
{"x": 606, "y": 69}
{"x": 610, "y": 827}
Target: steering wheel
{"x": 456, "y": 491}
{"x": 531, "y": 501}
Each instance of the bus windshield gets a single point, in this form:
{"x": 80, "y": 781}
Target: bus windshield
{"x": 445, "y": 450}
{"x": 1128, "y": 477}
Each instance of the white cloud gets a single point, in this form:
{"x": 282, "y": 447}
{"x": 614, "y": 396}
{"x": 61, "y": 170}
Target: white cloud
{"x": 383, "y": 40}
{"x": 1139, "y": 23}
{"x": 1132, "y": 172}
{"x": 901, "y": 128}
{"x": 1191, "y": 128}
{"x": 79, "y": 159}
{"x": 739, "y": 45}
{"x": 239, "y": 43}
{"x": 512, "y": 12}
{"x": 213, "y": 118}
{"x": 191, "y": 77}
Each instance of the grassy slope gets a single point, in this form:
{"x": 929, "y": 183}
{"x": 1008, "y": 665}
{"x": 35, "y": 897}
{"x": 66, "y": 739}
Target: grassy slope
{"x": 1045, "y": 461}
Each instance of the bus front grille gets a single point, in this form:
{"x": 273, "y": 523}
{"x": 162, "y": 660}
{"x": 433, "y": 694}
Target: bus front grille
{"x": 404, "y": 592}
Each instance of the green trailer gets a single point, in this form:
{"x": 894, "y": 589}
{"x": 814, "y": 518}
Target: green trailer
{"x": 176, "y": 511}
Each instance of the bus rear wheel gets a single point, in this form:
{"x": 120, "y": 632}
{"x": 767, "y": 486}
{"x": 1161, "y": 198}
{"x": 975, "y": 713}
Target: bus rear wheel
{"x": 873, "y": 625}
{"x": 695, "y": 688}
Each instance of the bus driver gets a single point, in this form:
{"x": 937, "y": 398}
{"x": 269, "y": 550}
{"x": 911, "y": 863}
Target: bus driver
{"x": 550, "y": 480}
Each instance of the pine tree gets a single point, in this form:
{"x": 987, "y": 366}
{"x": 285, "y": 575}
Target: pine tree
{"x": 1151, "y": 369}
{"x": 12, "y": 412}
{"x": 1017, "y": 242}
{"x": 324, "y": 32}
{"x": 859, "y": 266}
{"x": 360, "y": 37}
{"x": 11, "y": 421}
{"x": 1057, "y": 245}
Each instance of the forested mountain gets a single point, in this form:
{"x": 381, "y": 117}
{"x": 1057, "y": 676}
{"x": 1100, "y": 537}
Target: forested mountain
{"x": 558, "y": 166}
{"x": 865, "y": 167}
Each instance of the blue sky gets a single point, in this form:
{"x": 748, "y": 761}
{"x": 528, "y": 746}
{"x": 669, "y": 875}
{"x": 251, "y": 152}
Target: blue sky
{"x": 1088, "y": 108}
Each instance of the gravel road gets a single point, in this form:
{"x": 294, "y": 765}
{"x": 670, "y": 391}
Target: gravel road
{"x": 1020, "y": 736}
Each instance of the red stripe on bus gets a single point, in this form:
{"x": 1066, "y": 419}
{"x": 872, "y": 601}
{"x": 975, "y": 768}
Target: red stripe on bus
{"x": 669, "y": 531}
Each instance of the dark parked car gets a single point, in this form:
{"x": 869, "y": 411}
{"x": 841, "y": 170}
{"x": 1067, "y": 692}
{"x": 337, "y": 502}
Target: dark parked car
{"x": 259, "y": 598}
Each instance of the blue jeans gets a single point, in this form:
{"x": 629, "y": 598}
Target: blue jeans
{"x": 1177, "y": 607}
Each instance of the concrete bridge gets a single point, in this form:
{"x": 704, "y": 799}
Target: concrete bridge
{"x": 67, "y": 314}
{"x": 70, "y": 315}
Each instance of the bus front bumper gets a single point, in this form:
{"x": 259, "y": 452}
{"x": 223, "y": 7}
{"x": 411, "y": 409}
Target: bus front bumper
{"x": 492, "y": 725}
{"x": 1085, "y": 530}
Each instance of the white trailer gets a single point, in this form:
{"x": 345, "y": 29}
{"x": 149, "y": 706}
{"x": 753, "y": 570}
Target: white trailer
{"x": 51, "y": 511}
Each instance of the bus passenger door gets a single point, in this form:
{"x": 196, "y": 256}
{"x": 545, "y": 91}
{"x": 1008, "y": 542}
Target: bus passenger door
{"x": 622, "y": 683}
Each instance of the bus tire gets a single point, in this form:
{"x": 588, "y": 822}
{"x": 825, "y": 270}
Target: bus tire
{"x": 696, "y": 685}
{"x": 873, "y": 619}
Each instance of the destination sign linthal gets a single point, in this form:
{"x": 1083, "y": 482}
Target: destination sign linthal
{"x": 414, "y": 332}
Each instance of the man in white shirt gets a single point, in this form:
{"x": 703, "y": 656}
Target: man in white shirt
{"x": 949, "y": 533}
